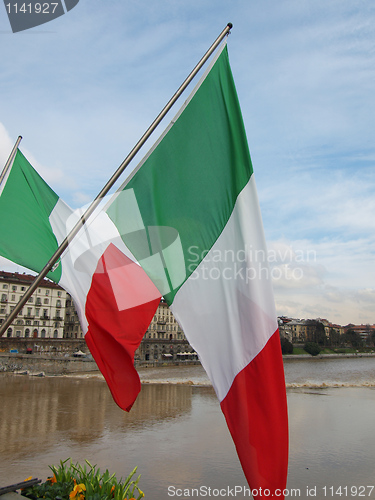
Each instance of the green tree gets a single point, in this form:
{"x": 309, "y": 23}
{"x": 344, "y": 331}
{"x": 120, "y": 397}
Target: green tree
{"x": 353, "y": 338}
{"x": 316, "y": 332}
{"x": 286, "y": 346}
{"x": 334, "y": 337}
{"x": 372, "y": 336}
{"x": 320, "y": 334}
{"x": 312, "y": 348}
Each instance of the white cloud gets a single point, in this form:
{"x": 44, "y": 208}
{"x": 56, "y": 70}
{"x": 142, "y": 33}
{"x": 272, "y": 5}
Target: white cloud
{"x": 331, "y": 279}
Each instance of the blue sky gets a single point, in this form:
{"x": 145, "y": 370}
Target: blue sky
{"x": 83, "y": 88}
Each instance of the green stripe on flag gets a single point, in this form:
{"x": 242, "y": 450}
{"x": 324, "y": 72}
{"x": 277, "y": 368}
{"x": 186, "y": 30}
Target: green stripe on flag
{"x": 190, "y": 182}
{"x": 26, "y": 202}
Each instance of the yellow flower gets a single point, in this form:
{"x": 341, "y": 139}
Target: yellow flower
{"x": 77, "y": 490}
{"x": 27, "y": 479}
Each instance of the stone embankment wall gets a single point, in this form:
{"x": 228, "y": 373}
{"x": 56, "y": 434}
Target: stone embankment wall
{"x": 55, "y": 357}
{"x": 60, "y": 346}
{"x": 47, "y": 365}
{"x": 50, "y": 356}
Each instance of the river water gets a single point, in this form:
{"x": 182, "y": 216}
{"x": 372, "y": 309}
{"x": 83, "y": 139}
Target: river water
{"x": 177, "y": 436}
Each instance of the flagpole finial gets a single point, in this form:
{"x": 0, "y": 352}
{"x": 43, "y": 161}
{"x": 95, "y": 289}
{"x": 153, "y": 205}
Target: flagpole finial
{"x": 10, "y": 159}
{"x": 230, "y": 25}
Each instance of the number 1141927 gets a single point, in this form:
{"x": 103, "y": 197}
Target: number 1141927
{"x": 31, "y": 8}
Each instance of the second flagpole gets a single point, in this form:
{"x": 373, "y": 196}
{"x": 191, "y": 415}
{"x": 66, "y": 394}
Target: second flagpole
{"x": 10, "y": 159}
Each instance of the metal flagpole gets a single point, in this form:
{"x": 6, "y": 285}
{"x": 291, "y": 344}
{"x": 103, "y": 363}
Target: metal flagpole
{"x": 65, "y": 243}
{"x": 10, "y": 159}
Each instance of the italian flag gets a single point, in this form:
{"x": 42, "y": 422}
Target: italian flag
{"x": 114, "y": 298}
{"x": 202, "y": 244}
{"x": 186, "y": 225}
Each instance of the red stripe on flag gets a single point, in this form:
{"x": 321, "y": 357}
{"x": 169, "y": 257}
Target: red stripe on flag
{"x": 115, "y": 332}
{"x": 255, "y": 409}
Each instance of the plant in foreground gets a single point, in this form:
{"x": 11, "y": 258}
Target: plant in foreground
{"x": 77, "y": 482}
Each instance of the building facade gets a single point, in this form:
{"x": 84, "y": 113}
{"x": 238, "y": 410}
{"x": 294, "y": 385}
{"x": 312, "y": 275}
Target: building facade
{"x": 50, "y": 313}
{"x": 43, "y": 316}
{"x": 164, "y": 339}
{"x": 72, "y": 328}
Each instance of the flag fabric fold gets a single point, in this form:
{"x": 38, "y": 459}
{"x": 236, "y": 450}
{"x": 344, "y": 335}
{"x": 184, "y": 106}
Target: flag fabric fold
{"x": 33, "y": 222}
{"x": 206, "y": 253}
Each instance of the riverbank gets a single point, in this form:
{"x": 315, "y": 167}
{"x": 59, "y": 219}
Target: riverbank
{"x": 53, "y": 365}
{"x": 335, "y": 355}
{"x": 30, "y": 364}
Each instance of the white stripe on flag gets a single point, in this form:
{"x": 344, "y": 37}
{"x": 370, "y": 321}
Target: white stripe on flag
{"x": 231, "y": 313}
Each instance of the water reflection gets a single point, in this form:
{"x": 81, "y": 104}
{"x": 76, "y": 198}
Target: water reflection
{"x": 176, "y": 433}
{"x": 40, "y": 412}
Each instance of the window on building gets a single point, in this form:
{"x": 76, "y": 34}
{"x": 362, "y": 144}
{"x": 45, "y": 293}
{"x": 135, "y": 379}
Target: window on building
{"x": 27, "y": 333}
{"x": 4, "y": 297}
{"x": 5, "y": 287}
{"x": 43, "y": 333}
{"x": 45, "y": 301}
{"x": 14, "y": 288}
{"x": 58, "y": 303}
{"x": 55, "y": 334}
{"x": 13, "y": 298}
{"x": 47, "y": 292}
{"x": 37, "y": 311}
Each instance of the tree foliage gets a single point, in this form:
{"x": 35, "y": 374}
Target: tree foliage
{"x": 353, "y": 338}
{"x": 286, "y": 346}
{"x": 312, "y": 348}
